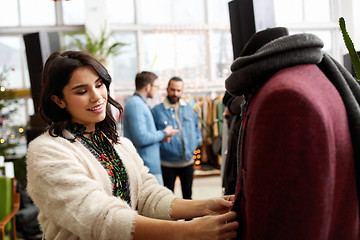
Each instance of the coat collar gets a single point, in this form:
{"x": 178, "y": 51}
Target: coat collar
{"x": 167, "y": 103}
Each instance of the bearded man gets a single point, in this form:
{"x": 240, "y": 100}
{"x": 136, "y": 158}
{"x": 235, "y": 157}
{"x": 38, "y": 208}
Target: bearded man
{"x": 177, "y": 154}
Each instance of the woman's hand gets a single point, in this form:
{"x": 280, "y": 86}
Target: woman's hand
{"x": 185, "y": 209}
{"x": 219, "y": 205}
{"x": 213, "y": 227}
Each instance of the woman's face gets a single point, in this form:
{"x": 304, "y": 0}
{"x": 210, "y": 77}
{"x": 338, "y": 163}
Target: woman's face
{"x": 85, "y": 98}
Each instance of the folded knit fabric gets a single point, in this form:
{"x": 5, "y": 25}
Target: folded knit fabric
{"x": 253, "y": 70}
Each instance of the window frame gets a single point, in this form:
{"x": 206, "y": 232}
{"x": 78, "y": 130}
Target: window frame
{"x": 214, "y": 84}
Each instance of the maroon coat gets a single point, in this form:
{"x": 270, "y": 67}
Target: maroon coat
{"x": 298, "y": 165}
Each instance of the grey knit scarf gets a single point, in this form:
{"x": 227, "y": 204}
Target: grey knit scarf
{"x": 251, "y": 71}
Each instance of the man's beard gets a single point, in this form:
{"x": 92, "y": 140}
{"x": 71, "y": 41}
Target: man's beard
{"x": 173, "y": 99}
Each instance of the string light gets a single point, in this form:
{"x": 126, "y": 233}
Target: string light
{"x": 10, "y": 135}
{"x": 197, "y": 157}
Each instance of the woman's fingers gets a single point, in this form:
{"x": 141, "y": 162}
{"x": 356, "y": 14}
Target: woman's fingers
{"x": 230, "y": 226}
{"x": 229, "y": 197}
{"x": 228, "y": 230}
{"x": 229, "y": 235}
{"x": 227, "y": 217}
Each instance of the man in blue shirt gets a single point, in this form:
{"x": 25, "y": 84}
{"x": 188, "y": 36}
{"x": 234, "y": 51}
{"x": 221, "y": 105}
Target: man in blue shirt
{"x": 139, "y": 126}
{"x": 177, "y": 154}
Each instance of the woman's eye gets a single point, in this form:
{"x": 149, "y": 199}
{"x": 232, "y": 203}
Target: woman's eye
{"x": 81, "y": 92}
{"x": 100, "y": 85}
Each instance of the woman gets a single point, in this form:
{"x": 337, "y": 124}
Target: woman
{"x": 90, "y": 184}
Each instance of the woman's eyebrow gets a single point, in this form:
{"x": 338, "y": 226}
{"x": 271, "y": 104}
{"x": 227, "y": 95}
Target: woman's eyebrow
{"x": 85, "y": 85}
{"x": 79, "y": 86}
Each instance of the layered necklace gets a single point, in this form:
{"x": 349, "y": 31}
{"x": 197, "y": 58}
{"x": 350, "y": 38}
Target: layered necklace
{"x": 104, "y": 151}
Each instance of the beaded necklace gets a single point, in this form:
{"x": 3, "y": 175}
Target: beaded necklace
{"x": 105, "y": 153}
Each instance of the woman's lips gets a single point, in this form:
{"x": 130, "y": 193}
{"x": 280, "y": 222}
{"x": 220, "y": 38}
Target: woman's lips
{"x": 97, "y": 109}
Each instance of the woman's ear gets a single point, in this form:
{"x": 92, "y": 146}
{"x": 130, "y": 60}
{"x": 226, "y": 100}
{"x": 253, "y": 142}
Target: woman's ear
{"x": 58, "y": 101}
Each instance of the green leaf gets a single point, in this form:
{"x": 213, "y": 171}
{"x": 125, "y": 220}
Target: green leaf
{"x": 98, "y": 47}
{"x": 350, "y": 46}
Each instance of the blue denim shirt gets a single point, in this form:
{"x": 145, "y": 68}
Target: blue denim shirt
{"x": 164, "y": 115}
{"x": 139, "y": 127}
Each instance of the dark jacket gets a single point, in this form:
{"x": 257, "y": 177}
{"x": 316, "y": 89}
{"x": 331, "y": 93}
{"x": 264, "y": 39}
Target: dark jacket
{"x": 298, "y": 153}
{"x": 298, "y": 166}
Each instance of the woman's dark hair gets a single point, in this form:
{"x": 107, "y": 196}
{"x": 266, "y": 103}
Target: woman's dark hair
{"x": 56, "y": 74}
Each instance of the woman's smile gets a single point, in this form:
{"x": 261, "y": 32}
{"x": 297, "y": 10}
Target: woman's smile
{"x": 97, "y": 109}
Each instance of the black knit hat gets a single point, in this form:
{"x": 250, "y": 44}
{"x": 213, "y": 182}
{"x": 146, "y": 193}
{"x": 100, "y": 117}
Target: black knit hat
{"x": 263, "y": 37}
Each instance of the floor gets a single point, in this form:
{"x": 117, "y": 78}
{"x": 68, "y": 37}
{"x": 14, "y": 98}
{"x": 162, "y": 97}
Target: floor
{"x": 203, "y": 187}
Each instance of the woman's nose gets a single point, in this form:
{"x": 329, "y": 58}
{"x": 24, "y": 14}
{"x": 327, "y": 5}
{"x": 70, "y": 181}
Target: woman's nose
{"x": 96, "y": 95}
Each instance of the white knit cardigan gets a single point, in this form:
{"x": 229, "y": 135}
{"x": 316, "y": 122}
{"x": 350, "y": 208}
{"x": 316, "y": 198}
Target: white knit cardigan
{"x": 74, "y": 195}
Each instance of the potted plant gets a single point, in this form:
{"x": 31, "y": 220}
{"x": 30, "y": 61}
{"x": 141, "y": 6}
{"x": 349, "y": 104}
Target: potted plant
{"x": 99, "y": 47}
{"x": 355, "y": 61}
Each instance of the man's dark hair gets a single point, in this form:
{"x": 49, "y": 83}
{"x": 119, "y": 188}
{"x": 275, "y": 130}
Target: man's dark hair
{"x": 144, "y": 78}
{"x": 175, "y": 78}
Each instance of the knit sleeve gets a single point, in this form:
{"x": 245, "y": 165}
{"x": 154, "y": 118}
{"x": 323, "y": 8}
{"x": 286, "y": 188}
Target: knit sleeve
{"x": 153, "y": 199}
{"x": 73, "y": 193}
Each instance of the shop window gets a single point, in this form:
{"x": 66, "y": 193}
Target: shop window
{"x": 159, "y": 53}
{"x": 11, "y": 57}
{"x": 300, "y": 11}
{"x": 33, "y": 15}
{"x": 218, "y": 12}
{"x": 223, "y": 54}
{"x": 189, "y": 11}
{"x": 301, "y": 16}
{"x": 8, "y": 13}
{"x": 74, "y": 12}
{"x": 125, "y": 64}
{"x": 120, "y": 11}
{"x": 288, "y": 12}
{"x": 191, "y": 56}
{"x": 171, "y": 12}
{"x": 155, "y": 12}
{"x": 179, "y": 53}
{"x": 312, "y": 13}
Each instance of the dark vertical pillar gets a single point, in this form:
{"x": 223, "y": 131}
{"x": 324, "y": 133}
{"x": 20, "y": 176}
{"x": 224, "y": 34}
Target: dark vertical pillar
{"x": 38, "y": 47}
{"x": 248, "y": 17}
